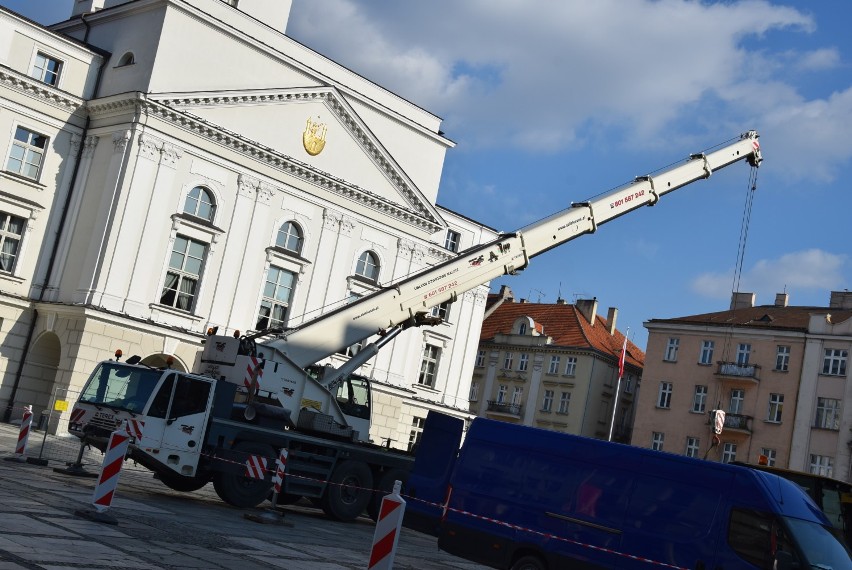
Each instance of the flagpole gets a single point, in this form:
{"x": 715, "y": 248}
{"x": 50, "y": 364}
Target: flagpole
{"x": 621, "y": 360}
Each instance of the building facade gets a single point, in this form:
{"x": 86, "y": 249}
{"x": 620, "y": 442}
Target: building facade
{"x": 175, "y": 165}
{"x": 779, "y": 373}
{"x": 555, "y": 366}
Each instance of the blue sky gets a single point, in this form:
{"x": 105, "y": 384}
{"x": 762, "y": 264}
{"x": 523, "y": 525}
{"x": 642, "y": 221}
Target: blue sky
{"x": 555, "y": 102}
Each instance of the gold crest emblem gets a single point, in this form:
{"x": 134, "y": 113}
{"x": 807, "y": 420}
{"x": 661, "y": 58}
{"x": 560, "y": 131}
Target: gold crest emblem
{"x": 314, "y": 137}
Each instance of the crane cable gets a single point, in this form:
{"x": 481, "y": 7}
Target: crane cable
{"x": 735, "y": 286}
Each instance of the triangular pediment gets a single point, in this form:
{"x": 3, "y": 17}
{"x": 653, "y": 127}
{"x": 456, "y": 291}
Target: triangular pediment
{"x": 341, "y": 147}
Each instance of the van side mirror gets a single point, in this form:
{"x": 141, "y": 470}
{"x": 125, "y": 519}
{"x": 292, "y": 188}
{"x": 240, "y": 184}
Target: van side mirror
{"x": 784, "y": 560}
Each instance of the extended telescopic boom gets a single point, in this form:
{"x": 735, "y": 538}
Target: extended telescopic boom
{"x": 403, "y": 303}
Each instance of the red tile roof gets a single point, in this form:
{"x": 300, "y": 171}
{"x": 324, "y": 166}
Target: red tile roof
{"x": 565, "y": 325}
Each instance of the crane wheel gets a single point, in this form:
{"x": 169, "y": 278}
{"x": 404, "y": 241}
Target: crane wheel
{"x": 384, "y": 487}
{"x": 241, "y": 491}
{"x": 348, "y": 492}
{"x": 180, "y": 483}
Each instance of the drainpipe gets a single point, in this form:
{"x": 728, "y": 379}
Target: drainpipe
{"x": 7, "y": 415}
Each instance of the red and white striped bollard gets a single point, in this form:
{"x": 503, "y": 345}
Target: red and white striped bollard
{"x": 111, "y": 468}
{"x": 388, "y": 528}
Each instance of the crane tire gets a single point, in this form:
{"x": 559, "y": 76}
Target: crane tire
{"x": 238, "y": 490}
{"x": 181, "y": 483}
{"x": 385, "y": 487}
{"x": 348, "y": 491}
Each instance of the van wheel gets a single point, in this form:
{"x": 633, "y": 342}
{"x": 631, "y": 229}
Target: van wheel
{"x": 348, "y": 492}
{"x": 529, "y": 562}
{"x": 385, "y": 487}
{"x": 241, "y": 491}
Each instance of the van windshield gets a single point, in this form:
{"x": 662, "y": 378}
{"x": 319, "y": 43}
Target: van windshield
{"x": 820, "y": 547}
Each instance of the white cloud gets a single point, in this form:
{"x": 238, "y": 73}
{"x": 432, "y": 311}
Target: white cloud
{"x": 811, "y": 269}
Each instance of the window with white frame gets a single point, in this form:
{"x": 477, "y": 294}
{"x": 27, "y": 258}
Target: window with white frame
{"x": 474, "y": 392}
{"x": 547, "y": 402}
{"x": 46, "y": 69}
{"x": 827, "y": 413}
{"x": 277, "y": 296}
{"x": 729, "y": 452}
{"x": 441, "y": 311}
{"x": 184, "y": 273}
{"x": 517, "y": 395}
{"x": 522, "y": 329}
{"x": 508, "y": 361}
{"x": 735, "y": 405}
{"x": 11, "y": 232}
{"x": 26, "y": 153}
{"x": 658, "y": 438}
{"x": 776, "y": 406}
{"x": 664, "y": 397}
{"x": 770, "y": 455}
{"x": 692, "y": 445}
{"x": 502, "y": 390}
{"x": 290, "y": 237}
{"x": 554, "y": 365}
{"x": 429, "y": 365}
{"x": 743, "y": 353}
{"x": 706, "y": 356}
{"x": 671, "y": 350}
{"x": 451, "y": 241}
{"x": 480, "y": 359}
{"x": 416, "y": 433}
{"x": 523, "y": 362}
{"x": 782, "y": 358}
{"x": 822, "y": 465}
{"x": 834, "y": 362}
{"x": 699, "y": 399}
{"x": 564, "y": 402}
{"x": 200, "y": 203}
{"x": 571, "y": 366}
{"x": 368, "y": 266}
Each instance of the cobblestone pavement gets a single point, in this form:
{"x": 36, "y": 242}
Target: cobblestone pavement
{"x": 43, "y": 525}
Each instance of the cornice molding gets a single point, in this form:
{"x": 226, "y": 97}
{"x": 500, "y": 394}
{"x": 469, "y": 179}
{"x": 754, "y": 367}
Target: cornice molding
{"x": 419, "y": 216}
{"x": 169, "y": 111}
{"x": 38, "y": 90}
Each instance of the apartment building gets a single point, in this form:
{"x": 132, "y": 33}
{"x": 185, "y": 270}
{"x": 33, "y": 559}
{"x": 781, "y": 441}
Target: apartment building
{"x": 779, "y": 373}
{"x": 555, "y": 366}
{"x": 174, "y": 165}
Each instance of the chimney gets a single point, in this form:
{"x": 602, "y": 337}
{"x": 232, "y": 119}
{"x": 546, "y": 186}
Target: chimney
{"x": 611, "y": 317}
{"x": 742, "y": 301}
{"x": 782, "y": 299}
{"x": 841, "y": 300}
{"x": 561, "y": 301}
{"x": 86, "y": 6}
{"x": 523, "y": 301}
{"x": 588, "y": 308}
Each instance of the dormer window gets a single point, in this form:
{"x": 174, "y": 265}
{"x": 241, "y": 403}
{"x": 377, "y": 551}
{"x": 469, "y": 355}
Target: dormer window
{"x": 200, "y": 203}
{"x": 522, "y": 329}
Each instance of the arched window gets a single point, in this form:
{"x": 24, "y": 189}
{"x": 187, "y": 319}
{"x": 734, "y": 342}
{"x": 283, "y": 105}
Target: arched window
{"x": 290, "y": 237}
{"x": 368, "y": 266}
{"x": 126, "y": 59}
{"x": 200, "y": 203}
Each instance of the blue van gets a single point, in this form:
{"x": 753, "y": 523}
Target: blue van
{"x": 522, "y": 498}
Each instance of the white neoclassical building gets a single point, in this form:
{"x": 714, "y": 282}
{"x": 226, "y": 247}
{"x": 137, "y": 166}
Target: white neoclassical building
{"x": 174, "y": 165}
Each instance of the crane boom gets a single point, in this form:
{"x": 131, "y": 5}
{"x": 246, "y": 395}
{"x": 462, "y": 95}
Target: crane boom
{"x": 400, "y": 303}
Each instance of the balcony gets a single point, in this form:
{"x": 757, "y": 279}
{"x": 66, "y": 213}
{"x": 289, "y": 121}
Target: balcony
{"x": 513, "y": 410}
{"x": 735, "y": 422}
{"x": 733, "y": 370}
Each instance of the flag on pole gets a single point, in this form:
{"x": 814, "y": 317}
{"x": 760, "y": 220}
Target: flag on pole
{"x": 621, "y": 359}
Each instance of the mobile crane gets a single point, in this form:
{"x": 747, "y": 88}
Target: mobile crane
{"x": 255, "y": 395}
